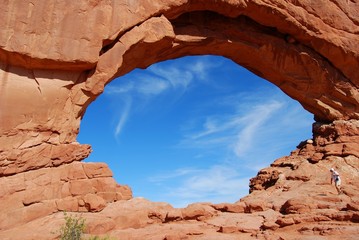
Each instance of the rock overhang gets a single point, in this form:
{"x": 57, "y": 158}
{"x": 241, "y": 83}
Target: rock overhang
{"x": 56, "y": 59}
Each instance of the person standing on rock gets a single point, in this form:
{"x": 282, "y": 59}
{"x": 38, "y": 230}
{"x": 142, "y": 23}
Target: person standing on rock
{"x": 336, "y": 179}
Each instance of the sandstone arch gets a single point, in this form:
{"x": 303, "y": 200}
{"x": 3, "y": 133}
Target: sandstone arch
{"x": 298, "y": 47}
{"x": 56, "y": 57}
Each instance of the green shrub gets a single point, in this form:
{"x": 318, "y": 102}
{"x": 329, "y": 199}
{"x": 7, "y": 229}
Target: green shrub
{"x": 73, "y": 229}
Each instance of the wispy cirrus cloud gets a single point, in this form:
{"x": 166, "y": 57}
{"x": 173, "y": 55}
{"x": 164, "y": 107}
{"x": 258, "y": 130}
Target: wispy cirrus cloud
{"x": 233, "y": 129}
{"x": 177, "y": 78}
{"x": 122, "y": 88}
{"x": 216, "y": 180}
{"x": 181, "y": 76}
{"x": 174, "y": 174}
{"x": 152, "y": 86}
{"x": 213, "y": 184}
{"x": 236, "y": 130}
{"x": 252, "y": 123}
{"x": 157, "y": 80}
{"x": 247, "y": 135}
{"x": 143, "y": 85}
{"x": 123, "y": 117}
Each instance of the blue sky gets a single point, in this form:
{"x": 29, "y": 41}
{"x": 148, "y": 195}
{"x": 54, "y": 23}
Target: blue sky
{"x": 193, "y": 129}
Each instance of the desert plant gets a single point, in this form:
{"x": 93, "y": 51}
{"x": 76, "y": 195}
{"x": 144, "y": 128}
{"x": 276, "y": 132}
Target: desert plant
{"x": 73, "y": 228}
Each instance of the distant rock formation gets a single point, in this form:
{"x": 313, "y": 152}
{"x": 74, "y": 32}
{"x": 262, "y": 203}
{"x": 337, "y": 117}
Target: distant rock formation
{"x": 57, "y": 56}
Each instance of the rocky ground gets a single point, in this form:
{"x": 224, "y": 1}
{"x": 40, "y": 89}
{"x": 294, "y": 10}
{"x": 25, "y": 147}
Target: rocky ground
{"x": 291, "y": 199}
{"x": 57, "y": 56}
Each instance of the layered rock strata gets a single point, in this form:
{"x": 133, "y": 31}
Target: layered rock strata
{"x": 54, "y": 64}
{"x": 291, "y": 199}
{"x": 74, "y": 187}
{"x": 57, "y": 56}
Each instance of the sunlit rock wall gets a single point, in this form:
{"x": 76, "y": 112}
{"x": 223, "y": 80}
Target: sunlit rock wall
{"x": 57, "y": 56}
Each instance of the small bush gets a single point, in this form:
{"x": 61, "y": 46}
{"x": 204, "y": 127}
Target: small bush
{"x": 73, "y": 228}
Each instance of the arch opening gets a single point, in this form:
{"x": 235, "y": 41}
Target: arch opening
{"x": 194, "y": 129}
{"x": 54, "y": 66}
{"x": 273, "y": 53}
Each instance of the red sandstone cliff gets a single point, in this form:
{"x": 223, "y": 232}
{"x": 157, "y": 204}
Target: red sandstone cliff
{"x": 56, "y": 57}
{"x": 291, "y": 199}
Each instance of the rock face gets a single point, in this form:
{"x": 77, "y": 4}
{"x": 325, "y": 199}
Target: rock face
{"x": 71, "y": 187}
{"x": 57, "y": 56}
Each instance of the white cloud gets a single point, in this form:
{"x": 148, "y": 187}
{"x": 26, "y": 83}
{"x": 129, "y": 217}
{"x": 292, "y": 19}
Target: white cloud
{"x": 210, "y": 126}
{"x": 181, "y": 77}
{"x": 158, "y": 80}
{"x": 219, "y": 183}
{"x": 253, "y": 122}
{"x": 151, "y": 86}
{"x": 219, "y": 125}
{"x": 217, "y": 179}
{"x": 234, "y": 130}
{"x": 244, "y": 136}
{"x": 143, "y": 85}
{"x": 119, "y": 89}
{"x": 248, "y": 135}
{"x": 202, "y": 66}
{"x": 123, "y": 117}
{"x": 174, "y": 174}
{"x": 178, "y": 78}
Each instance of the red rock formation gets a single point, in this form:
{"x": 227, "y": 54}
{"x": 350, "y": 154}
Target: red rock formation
{"x": 57, "y": 56}
{"x": 71, "y": 187}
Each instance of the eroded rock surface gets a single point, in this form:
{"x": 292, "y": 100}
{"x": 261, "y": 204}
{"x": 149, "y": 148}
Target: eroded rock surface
{"x": 57, "y": 56}
{"x": 72, "y": 187}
